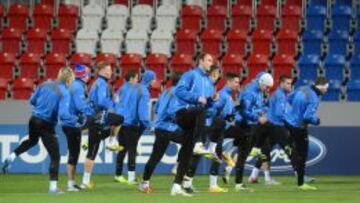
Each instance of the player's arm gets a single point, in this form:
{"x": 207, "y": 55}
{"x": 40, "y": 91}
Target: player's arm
{"x": 143, "y": 109}
{"x": 104, "y": 101}
{"x": 183, "y": 88}
{"x": 310, "y": 115}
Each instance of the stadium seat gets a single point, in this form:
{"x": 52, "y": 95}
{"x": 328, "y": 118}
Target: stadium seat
{"x": 92, "y": 16}
{"x": 344, "y": 2}
{"x": 18, "y": 16}
{"x": 82, "y": 58}
{"x": 200, "y": 3}
{"x": 261, "y": 41}
{"x": 334, "y": 67}
{"x": 353, "y": 90}
{"x": 118, "y": 83}
{"x": 291, "y": 16}
{"x": 308, "y": 66}
{"x": 2, "y": 14}
{"x": 355, "y": 67}
{"x": 282, "y": 65}
{"x": 243, "y": 2}
{"x": 130, "y": 62}
{"x": 173, "y": 3}
{"x": 11, "y": 38}
{"x": 61, "y": 41}
{"x": 318, "y": 2}
{"x": 7, "y": 64}
{"x": 166, "y": 16}
{"x": 111, "y": 41}
{"x": 78, "y": 3}
{"x": 240, "y": 17}
{"x": 312, "y": 41}
{"x": 158, "y": 63}
{"x": 294, "y": 2}
{"x": 287, "y": 42}
{"x": 136, "y": 41}
{"x": 191, "y": 16}
{"x": 333, "y": 92}
{"x": 236, "y": 41}
{"x": 211, "y": 41}
{"x": 161, "y": 41}
{"x": 216, "y": 17}
{"x": 181, "y": 62}
{"x": 269, "y": 2}
{"x": 315, "y": 18}
{"x": 68, "y": 17}
{"x": 86, "y": 41}
{"x": 48, "y": 2}
{"x": 3, "y": 88}
{"x": 341, "y": 17}
{"x": 102, "y": 3}
{"x": 338, "y": 40}
{"x": 52, "y": 64}
{"x": 36, "y": 40}
{"x": 232, "y": 63}
{"x": 29, "y": 64}
{"x": 223, "y": 3}
{"x": 43, "y": 16}
{"x": 186, "y": 41}
{"x": 155, "y": 89}
{"x": 257, "y": 63}
{"x": 121, "y": 2}
{"x": 141, "y": 17}
{"x": 116, "y": 17}
{"x": 265, "y": 17}
{"x": 22, "y": 88}
{"x": 111, "y": 58}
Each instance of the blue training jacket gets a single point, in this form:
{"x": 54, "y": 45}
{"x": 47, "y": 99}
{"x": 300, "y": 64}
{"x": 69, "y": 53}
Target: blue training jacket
{"x": 100, "y": 95}
{"x": 65, "y": 116}
{"x": 164, "y": 120}
{"x": 304, "y": 105}
{"x": 45, "y": 101}
{"x": 277, "y": 107}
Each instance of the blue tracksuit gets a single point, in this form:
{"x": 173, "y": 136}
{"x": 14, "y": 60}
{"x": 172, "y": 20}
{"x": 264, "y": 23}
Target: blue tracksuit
{"x": 164, "y": 120}
{"x": 304, "y": 105}
{"x": 45, "y": 102}
{"x": 192, "y": 85}
{"x": 277, "y": 107}
{"x": 100, "y": 95}
{"x": 67, "y": 118}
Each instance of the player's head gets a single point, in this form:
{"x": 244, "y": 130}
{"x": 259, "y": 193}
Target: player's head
{"x": 286, "y": 82}
{"x": 82, "y": 72}
{"x": 132, "y": 77}
{"x": 175, "y": 77}
{"x": 104, "y": 69}
{"x": 206, "y": 61}
{"x": 233, "y": 81}
{"x": 148, "y": 78}
{"x": 322, "y": 84}
{"x": 214, "y": 73}
{"x": 266, "y": 81}
{"x": 66, "y": 75}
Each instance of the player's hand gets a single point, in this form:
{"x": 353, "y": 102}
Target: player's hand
{"x": 215, "y": 97}
{"x": 202, "y": 100}
{"x": 262, "y": 120}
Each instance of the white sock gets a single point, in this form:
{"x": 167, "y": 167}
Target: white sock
{"x": 131, "y": 176}
{"x": 53, "y": 185}
{"x": 188, "y": 183}
{"x": 12, "y": 156}
{"x": 71, "y": 183}
{"x": 267, "y": 175}
{"x": 86, "y": 178}
{"x": 213, "y": 181}
{"x": 255, "y": 173}
{"x": 176, "y": 187}
{"x": 212, "y": 147}
{"x": 228, "y": 169}
{"x": 238, "y": 185}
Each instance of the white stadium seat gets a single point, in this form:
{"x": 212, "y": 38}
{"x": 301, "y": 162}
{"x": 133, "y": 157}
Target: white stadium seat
{"x": 111, "y": 41}
{"x": 92, "y": 16}
{"x": 86, "y": 41}
{"x": 116, "y": 16}
{"x": 166, "y": 17}
{"x": 161, "y": 42}
{"x": 141, "y": 17}
{"x": 136, "y": 42}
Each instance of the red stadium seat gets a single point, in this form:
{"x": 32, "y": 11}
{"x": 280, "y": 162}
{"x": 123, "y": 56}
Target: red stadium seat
{"x": 191, "y": 16}
{"x": 118, "y": 83}
{"x": 68, "y": 17}
{"x": 282, "y": 65}
{"x": 241, "y": 16}
{"x": 236, "y": 42}
{"x": 294, "y": 2}
{"x": 257, "y": 63}
{"x": 48, "y": 2}
{"x": 82, "y": 58}
{"x": 216, "y": 17}
{"x": 211, "y": 42}
{"x": 181, "y": 62}
{"x": 3, "y": 88}
{"x": 36, "y": 40}
{"x": 61, "y": 41}
{"x": 244, "y": 2}
{"x": 261, "y": 41}
{"x": 7, "y": 64}
{"x": 130, "y": 62}
{"x": 53, "y": 63}
{"x": 266, "y": 17}
{"x": 220, "y": 84}
{"x": 111, "y": 58}
{"x": 17, "y": 16}
{"x": 123, "y": 2}
{"x": 11, "y": 39}
{"x": 232, "y": 63}
{"x": 155, "y": 89}
{"x": 269, "y": 2}
{"x": 287, "y": 42}
{"x": 42, "y": 16}
{"x": 186, "y": 41}
{"x": 223, "y": 3}
{"x": 148, "y": 2}
{"x": 2, "y": 12}
{"x": 22, "y": 88}
{"x": 158, "y": 63}
{"x": 291, "y": 15}
{"x": 29, "y": 64}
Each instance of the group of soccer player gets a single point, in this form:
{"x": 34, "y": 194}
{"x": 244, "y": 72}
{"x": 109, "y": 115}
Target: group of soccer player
{"x": 191, "y": 113}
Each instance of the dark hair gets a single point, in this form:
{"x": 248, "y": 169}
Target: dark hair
{"x": 131, "y": 74}
{"x": 321, "y": 81}
{"x": 102, "y": 64}
{"x": 213, "y": 68}
{"x": 175, "y": 77}
{"x": 202, "y": 57}
{"x": 231, "y": 76}
{"x": 285, "y": 77}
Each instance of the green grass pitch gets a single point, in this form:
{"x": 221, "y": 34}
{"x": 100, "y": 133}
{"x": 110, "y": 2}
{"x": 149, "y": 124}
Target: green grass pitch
{"x": 33, "y": 188}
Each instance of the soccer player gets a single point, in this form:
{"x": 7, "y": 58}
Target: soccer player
{"x": 99, "y": 128}
{"x": 136, "y": 100}
{"x": 50, "y": 101}
{"x": 304, "y": 105}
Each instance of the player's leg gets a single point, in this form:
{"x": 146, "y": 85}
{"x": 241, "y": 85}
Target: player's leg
{"x": 123, "y": 139}
{"x": 115, "y": 121}
{"x": 134, "y": 137}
